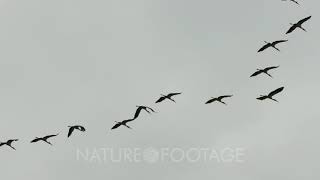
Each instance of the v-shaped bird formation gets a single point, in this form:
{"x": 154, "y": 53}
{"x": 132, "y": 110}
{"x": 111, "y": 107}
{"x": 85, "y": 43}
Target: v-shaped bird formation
{"x": 170, "y": 97}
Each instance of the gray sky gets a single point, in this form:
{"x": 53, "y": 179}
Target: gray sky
{"x": 66, "y": 62}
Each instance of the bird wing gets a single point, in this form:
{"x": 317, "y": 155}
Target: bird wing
{"x": 276, "y": 91}
{"x": 49, "y": 136}
{"x": 137, "y": 112}
{"x": 225, "y": 96}
{"x": 1, "y": 144}
{"x": 161, "y": 99}
{"x": 262, "y": 98}
{"x": 279, "y": 41}
{"x": 35, "y": 140}
{"x": 71, "y": 129}
{"x": 292, "y": 28}
{"x": 256, "y": 73}
{"x": 128, "y": 120}
{"x": 264, "y": 47}
{"x": 271, "y": 67}
{"x": 116, "y": 126}
{"x": 304, "y": 20}
{"x": 173, "y": 94}
{"x": 211, "y": 100}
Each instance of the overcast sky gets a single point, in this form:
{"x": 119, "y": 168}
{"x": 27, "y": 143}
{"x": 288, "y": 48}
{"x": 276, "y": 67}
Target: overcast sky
{"x": 66, "y": 62}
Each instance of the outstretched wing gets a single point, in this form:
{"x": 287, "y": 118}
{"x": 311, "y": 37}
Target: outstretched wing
{"x": 256, "y": 73}
{"x": 137, "y": 112}
{"x": 211, "y": 100}
{"x": 128, "y": 120}
{"x": 71, "y": 129}
{"x": 264, "y": 47}
{"x": 276, "y": 91}
{"x": 49, "y": 136}
{"x": 116, "y": 126}
{"x": 173, "y": 94}
{"x": 271, "y": 67}
{"x": 161, "y": 99}
{"x": 35, "y": 140}
{"x": 304, "y": 20}
{"x": 292, "y": 28}
{"x": 279, "y": 41}
{"x": 225, "y": 96}
{"x": 262, "y": 98}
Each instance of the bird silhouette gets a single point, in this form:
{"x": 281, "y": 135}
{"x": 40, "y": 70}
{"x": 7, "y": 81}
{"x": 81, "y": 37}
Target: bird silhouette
{"x": 298, "y": 25}
{"x": 294, "y": 1}
{"x": 146, "y": 108}
{"x": 271, "y": 94}
{"x": 77, "y": 127}
{"x": 123, "y": 123}
{"x": 168, "y": 96}
{"x": 9, "y": 143}
{"x": 265, "y": 71}
{"x": 45, "y": 138}
{"x": 273, "y": 44}
{"x": 218, "y": 99}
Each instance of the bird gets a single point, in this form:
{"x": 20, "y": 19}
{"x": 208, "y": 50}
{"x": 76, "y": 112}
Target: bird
{"x": 294, "y": 1}
{"x": 298, "y": 25}
{"x": 271, "y": 94}
{"x": 273, "y": 44}
{"x": 219, "y": 99}
{"x": 123, "y": 123}
{"x": 9, "y": 143}
{"x": 72, "y": 128}
{"x": 45, "y": 138}
{"x": 168, "y": 96}
{"x": 265, "y": 71}
{"x": 142, "y": 108}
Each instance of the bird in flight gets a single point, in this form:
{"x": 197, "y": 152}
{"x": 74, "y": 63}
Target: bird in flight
{"x": 45, "y": 138}
{"x": 123, "y": 123}
{"x": 77, "y": 127}
{"x": 294, "y": 1}
{"x": 298, "y": 25}
{"x": 273, "y": 44}
{"x": 9, "y": 143}
{"x": 265, "y": 71}
{"x": 163, "y": 97}
{"x": 271, "y": 94}
{"x": 147, "y": 109}
{"x": 218, "y": 99}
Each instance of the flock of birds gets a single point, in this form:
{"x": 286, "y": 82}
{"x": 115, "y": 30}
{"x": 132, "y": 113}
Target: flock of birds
{"x": 169, "y": 96}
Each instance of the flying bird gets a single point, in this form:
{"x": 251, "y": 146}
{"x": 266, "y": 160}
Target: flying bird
{"x": 298, "y": 25}
{"x": 265, "y": 71}
{"x": 271, "y": 94}
{"x": 77, "y": 127}
{"x": 123, "y": 123}
{"x": 45, "y": 138}
{"x": 147, "y": 109}
{"x": 163, "y": 97}
{"x": 273, "y": 44}
{"x": 218, "y": 99}
{"x": 294, "y": 1}
{"x": 9, "y": 143}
